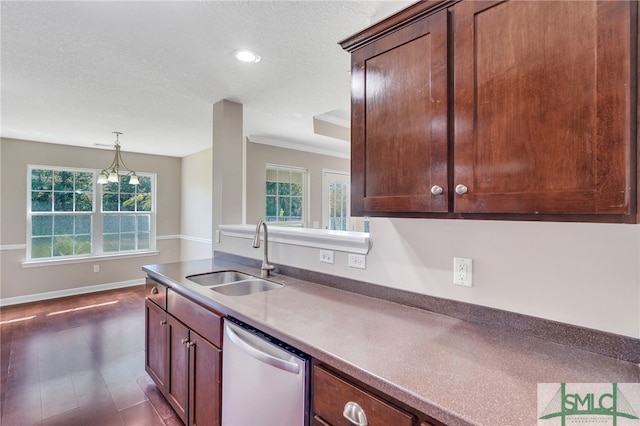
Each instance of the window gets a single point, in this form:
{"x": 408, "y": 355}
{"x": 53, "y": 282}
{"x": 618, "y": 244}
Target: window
{"x": 126, "y": 219}
{"x": 285, "y": 195}
{"x": 65, "y": 220}
{"x": 336, "y": 200}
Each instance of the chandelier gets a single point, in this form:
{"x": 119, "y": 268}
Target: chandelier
{"x": 112, "y": 173}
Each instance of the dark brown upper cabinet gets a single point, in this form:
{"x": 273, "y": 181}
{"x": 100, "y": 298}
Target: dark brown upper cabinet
{"x": 503, "y": 109}
{"x": 399, "y": 100}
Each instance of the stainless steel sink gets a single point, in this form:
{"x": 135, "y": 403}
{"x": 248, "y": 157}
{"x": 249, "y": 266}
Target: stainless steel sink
{"x": 233, "y": 283}
{"x": 242, "y": 288}
{"x": 220, "y": 277}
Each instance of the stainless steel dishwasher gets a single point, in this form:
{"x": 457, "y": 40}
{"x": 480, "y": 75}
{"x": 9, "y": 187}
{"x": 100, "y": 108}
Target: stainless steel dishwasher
{"x": 265, "y": 382}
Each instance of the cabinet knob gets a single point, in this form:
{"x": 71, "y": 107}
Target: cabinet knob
{"x": 184, "y": 341}
{"x": 355, "y": 414}
{"x": 163, "y": 322}
{"x": 191, "y": 344}
{"x": 461, "y": 189}
{"x": 154, "y": 290}
{"x": 436, "y": 190}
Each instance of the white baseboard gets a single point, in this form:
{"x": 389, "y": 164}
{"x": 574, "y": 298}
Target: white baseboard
{"x": 69, "y": 292}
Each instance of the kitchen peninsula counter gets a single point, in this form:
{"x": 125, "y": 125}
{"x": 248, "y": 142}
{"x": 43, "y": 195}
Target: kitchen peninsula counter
{"x": 454, "y": 371}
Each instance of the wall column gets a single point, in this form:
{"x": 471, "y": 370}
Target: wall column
{"x": 228, "y": 164}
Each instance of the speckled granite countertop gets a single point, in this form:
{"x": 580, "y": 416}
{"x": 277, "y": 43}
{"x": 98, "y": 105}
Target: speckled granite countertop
{"x": 456, "y": 372}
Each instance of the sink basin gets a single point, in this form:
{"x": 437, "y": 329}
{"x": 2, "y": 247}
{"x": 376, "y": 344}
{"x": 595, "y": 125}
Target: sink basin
{"x": 250, "y": 286}
{"x": 220, "y": 277}
{"x": 233, "y": 283}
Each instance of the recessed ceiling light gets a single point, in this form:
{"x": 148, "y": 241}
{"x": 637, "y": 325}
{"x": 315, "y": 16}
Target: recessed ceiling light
{"x": 247, "y": 56}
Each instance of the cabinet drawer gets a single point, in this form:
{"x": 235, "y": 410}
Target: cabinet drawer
{"x": 206, "y": 323}
{"x": 332, "y": 393}
{"x": 156, "y": 292}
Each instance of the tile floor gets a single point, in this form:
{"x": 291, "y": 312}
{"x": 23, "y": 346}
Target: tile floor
{"x": 78, "y": 361}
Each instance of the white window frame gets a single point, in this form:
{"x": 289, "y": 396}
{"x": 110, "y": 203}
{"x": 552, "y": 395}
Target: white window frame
{"x": 305, "y": 195}
{"x": 97, "y": 215}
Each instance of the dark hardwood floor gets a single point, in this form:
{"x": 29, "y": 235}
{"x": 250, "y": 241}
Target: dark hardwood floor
{"x": 78, "y": 361}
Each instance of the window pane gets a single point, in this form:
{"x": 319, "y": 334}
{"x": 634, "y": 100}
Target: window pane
{"x": 41, "y": 201}
{"x": 110, "y": 187}
{"x": 62, "y": 246}
{"x": 110, "y": 202}
{"x": 62, "y": 181}
{"x": 285, "y": 208}
{"x": 84, "y": 201}
{"x": 296, "y": 189}
{"x": 296, "y": 208}
{"x": 41, "y": 225}
{"x": 83, "y": 244}
{"x": 63, "y": 225}
{"x": 128, "y": 241}
{"x": 144, "y": 223}
{"x": 143, "y": 203}
{"x": 83, "y": 224}
{"x": 84, "y": 182}
{"x": 125, "y": 188}
{"x": 284, "y": 188}
{"x": 143, "y": 240}
{"x": 41, "y": 180}
{"x": 127, "y": 202}
{"x": 63, "y": 201}
{"x": 144, "y": 186}
{"x": 128, "y": 223}
{"x": 272, "y": 206}
{"x": 40, "y": 247}
{"x": 111, "y": 242}
{"x": 272, "y": 188}
{"x": 111, "y": 224}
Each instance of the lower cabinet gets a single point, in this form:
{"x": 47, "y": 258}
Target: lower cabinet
{"x": 193, "y": 385}
{"x": 338, "y": 402}
{"x": 156, "y": 359}
{"x": 184, "y": 357}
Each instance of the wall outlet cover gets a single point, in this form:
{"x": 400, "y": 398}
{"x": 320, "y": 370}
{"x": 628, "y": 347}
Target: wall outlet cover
{"x": 357, "y": 261}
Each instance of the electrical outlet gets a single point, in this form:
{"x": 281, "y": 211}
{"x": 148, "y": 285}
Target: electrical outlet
{"x": 96, "y": 268}
{"x": 326, "y": 256}
{"x": 462, "y": 271}
{"x": 217, "y": 236}
{"x": 357, "y": 261}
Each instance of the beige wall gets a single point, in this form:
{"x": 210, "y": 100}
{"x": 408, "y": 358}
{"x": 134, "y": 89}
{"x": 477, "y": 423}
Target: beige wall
{"x": 17, "y": 281}
{"x": 259, "y": 155}
{"x": 196, "y": 206}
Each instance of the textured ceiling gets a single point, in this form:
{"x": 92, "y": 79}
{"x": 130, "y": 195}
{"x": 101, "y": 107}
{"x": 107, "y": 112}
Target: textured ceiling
{"x": 73, "y": 72}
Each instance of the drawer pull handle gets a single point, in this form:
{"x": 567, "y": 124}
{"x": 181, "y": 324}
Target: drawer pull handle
{"x": 355, "y": 414}
{"x": 154, "y": 290}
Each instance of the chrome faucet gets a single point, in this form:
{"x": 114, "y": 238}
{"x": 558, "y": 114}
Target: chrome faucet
{"x": 266, "y": 267}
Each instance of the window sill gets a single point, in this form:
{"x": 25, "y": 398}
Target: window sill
{"x": 65, "y": 261}
{"x": 346, "y": 241}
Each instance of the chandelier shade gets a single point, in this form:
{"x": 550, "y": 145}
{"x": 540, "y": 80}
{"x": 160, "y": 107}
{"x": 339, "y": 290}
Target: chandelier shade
{"x": 117, "y": 166}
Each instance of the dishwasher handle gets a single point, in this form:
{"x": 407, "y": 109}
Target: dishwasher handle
{"x": 271, "y": 360}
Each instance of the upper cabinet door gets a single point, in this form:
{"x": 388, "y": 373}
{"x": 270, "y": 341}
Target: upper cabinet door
{"x": 399, "y": 120}
{"x": 543, "y": 107}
